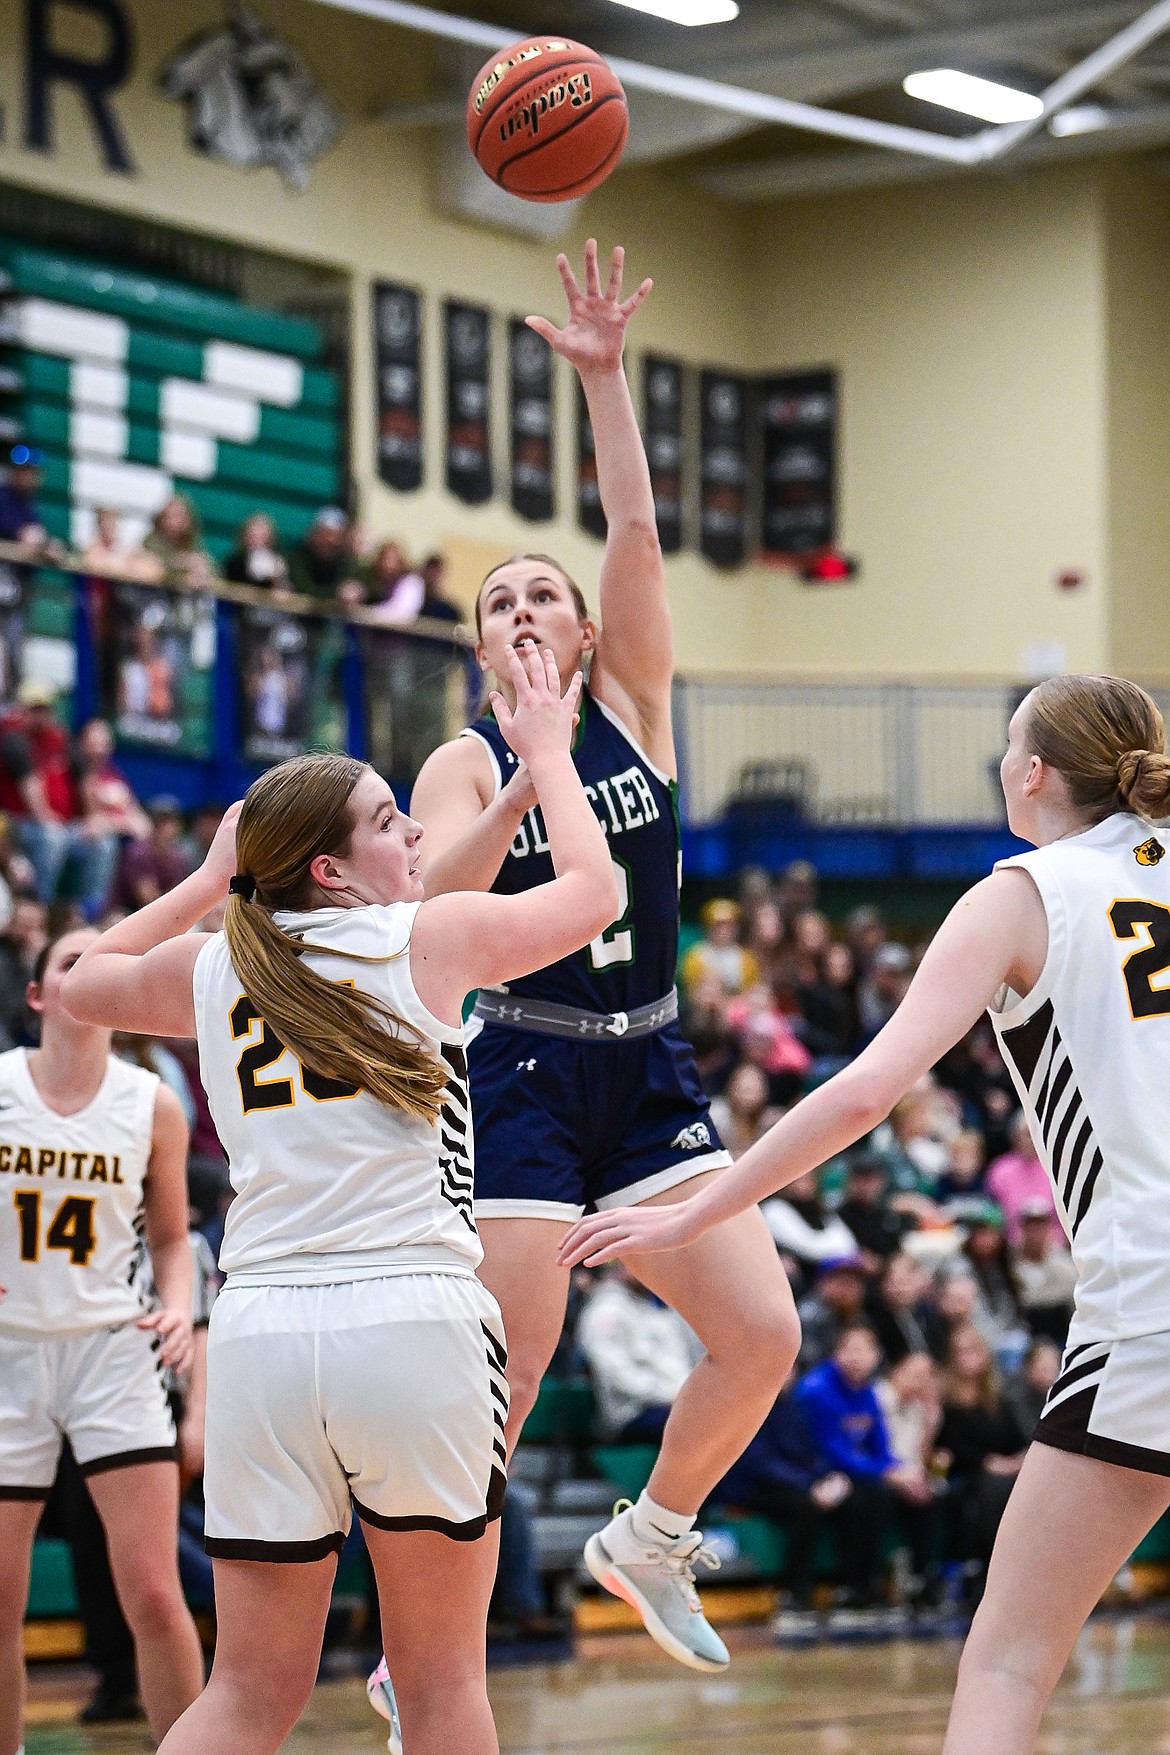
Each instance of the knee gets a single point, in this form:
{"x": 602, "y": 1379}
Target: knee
{"x": 766, "y": 1344}
{"x": 524, "y": 1380}
{"x": 153, "y": 1603}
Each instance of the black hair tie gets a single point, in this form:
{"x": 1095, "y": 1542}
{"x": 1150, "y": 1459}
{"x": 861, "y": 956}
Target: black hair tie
{"x": 243, "y": 884}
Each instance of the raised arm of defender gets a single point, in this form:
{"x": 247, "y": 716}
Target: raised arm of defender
{"x": 635, "y": 652}
{"x": 466, "y": 939}
{"x": 996, "y": 935}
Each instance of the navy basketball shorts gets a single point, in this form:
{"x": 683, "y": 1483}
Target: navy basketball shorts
{"x": 563, "y": 1128}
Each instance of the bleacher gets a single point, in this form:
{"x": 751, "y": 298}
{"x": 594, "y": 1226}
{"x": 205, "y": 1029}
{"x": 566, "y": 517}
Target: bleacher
{"x": 137, "y": 387}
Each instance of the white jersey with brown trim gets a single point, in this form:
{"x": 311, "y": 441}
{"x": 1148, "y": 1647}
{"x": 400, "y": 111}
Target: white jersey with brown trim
{"x": 71, "y": 1200}
{"x": 322, "y": 1170}
{"x": 1089, "y": 1053}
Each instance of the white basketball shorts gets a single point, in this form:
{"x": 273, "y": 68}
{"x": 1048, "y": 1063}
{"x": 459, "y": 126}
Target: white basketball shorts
{"x": 102, "y": 1390}
{"x": 1112, "y": 1401}
{"x": 387, "y": 1395}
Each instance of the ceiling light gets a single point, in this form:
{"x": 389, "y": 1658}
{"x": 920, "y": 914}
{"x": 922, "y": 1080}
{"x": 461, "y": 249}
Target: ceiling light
{"x": 686, "y": 11}
{"x": 973, "y": 97}
{"x": 1081, "y": 119}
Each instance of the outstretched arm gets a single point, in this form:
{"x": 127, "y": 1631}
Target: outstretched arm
{"x": 635, "y": 655}
{"x": 465, "y": 939}
{"x": 997, "y": 933}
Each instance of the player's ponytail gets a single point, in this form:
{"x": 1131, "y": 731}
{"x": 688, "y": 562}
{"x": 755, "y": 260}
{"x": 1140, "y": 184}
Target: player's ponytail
{"x": 290, "y": 815}
{"x": 1143, "y": 780}
{"x": 1105, "y": 737}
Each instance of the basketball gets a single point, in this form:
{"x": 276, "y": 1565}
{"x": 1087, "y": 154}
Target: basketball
{"x": 547, "y": 119}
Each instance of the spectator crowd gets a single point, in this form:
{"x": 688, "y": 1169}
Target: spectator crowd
{"x": 932, "y": 1275}
{"x": 931, "y": 1272}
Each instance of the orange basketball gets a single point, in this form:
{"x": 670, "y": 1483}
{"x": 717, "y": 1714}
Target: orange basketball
{"x": 547, "y": 119}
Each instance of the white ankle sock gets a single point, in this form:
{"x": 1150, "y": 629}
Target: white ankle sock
{"x": 653, "y": 1523}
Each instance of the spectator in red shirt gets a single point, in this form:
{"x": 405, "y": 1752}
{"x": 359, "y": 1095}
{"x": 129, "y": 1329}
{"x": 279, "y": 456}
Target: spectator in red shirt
{"x": 156, "y": 863}
{"x": 39, "y": 795}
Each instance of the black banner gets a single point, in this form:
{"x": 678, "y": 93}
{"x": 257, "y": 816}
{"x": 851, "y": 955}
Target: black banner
{"x": 662, "y": 388}
{"x": 799, "y": 414}
{"x": 530, "y": 374}
{"x": 723, "y": 469}
{"x": 589, "y": 513}
{"x": 469, "y": 457}
{"x": 397, "y": 361}
{"x": 290, "y": 684}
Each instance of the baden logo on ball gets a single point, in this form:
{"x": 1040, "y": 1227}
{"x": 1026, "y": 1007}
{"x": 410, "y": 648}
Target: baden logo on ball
{"x": 547, "y": 119}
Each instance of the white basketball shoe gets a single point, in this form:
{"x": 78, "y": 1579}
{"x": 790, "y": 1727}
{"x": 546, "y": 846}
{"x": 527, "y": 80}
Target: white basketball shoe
{"x": 658, "y": 1580}
{"x": 380, "y": 1694}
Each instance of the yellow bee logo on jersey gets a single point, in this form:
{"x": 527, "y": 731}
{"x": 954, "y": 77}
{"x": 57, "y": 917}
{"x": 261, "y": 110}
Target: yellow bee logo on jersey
{"x": 1150, "y": 852}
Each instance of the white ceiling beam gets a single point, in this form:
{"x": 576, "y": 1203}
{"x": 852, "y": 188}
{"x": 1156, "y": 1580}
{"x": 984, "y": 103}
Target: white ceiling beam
{"x": 782, "y": 179}
{"x": 867, "y": 63}
{"x": 1082, "y": 78}
{"x": 763, "y": 107}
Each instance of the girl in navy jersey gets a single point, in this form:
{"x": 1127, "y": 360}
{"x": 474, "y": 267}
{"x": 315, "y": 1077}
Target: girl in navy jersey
{"x": 1068, "y": 948}
{"x": 355, "y": 1362}
{"x": 584, "y": 1092}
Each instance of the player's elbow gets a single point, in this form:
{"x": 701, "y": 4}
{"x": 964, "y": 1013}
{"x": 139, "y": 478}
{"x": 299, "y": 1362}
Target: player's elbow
{"x": 605, "y": 902}
{"x": 77, "y": 995}
{"x": 864, "y": 1097}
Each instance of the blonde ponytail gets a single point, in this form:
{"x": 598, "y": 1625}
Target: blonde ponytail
{"x": 290, "y": 815}
{"x": 1143, "y": 780}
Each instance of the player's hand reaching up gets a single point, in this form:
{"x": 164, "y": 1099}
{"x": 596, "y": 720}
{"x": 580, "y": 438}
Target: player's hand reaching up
{"x": 593, "y": 338}
{"x": 541, "y": 723}
{"x": 220, "y": 861}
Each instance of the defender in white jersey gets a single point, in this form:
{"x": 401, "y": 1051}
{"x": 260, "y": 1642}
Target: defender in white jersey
{"x": 1068, "y": 947}
{"x": 93, "y": 1160}
{"x": 355, "y": 1362}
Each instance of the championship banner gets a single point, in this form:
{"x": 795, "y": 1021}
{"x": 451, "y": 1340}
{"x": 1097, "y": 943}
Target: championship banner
{"x": 158, "y": 669}
{"x": 662, "y": 391}
{"x": 530, "y": 378}
{"x": 289, "y": 670}
{"x": 589, "y": 513}
{"x": 397, "y": 360}
{"x": 799, "y": 417}
{"x": 469, "y": 457}
{"x": 723, "y": 469}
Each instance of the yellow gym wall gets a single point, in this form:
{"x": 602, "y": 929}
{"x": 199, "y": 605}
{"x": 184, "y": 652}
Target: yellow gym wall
{"x": 988, "y": 347}
{"x": 1137, "y": 234}
{"x": 964, "y": 316}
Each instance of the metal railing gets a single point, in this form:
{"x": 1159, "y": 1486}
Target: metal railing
{"x": 204, "y": 685}
{"x": 890, "y": 754}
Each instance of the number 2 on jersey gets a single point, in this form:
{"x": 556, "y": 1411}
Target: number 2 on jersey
{"x": 616, "y": 943}
{"x": 72, "y": 1228}
{"x": 258, "y": 1093}
{"x": 1148, "y": 920}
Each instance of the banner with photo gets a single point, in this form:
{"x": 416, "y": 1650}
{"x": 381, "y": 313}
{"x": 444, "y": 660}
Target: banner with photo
{"x": 397, "y": 361}
{"x": 723, "y": 469}
{"x": 158, "y": 666}
{"x": 531, "y": 380}
{"x": 662, "y": 390}
{"x": 13, "y": 580}
{"x": 799, "y": 419}
{"x": 469, "y": 454}
{"x": 289, "y": 670}
{"x": 589, "y": 513}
